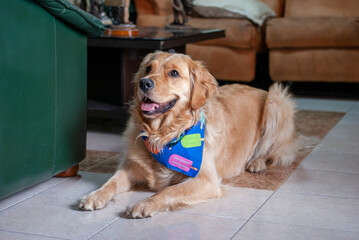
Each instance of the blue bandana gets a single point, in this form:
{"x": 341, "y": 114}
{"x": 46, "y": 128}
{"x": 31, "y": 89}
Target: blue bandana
{"x": 185, "y": 153}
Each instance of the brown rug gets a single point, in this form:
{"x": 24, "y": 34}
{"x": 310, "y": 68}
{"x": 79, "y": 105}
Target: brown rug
{"x": 312, "y": 127}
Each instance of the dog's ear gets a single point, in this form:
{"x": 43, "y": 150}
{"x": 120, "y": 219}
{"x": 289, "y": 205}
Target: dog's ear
{"x": 203, "y": 84}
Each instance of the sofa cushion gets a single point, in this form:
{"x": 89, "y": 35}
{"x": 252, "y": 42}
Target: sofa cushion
{"x": 158, "y": 7}
{"x": 240, "y": 33}
{"x": 313, "y": 32}
{"x": 231, "y": 64}
{"x": 164, "y": 7}
{"x": 306, "y": 8}
{"x": 319, "y": 65}
{"x": 255, "y": 10}
{"x": 151, "y": 20}
{"x": 276, "y": 5}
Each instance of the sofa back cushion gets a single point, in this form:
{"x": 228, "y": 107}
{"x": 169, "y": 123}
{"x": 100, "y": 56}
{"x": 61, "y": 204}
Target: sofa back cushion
{"x": 164, "y": 7}
{"x": 313, "y": 32}
{"x": 157, "y": 7}
{"x": 276, "y": 5}
{"x": 322, "y": 8}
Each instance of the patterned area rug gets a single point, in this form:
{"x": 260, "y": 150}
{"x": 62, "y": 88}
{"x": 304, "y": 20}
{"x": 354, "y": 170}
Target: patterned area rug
{"x": 312, "y": 127}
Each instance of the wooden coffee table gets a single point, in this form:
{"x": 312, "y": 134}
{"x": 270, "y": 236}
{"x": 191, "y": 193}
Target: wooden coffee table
{"x": 113, "y": 60}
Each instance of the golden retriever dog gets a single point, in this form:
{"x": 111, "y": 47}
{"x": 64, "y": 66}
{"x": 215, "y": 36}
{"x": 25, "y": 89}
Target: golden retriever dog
{"x": 244, "y": 129}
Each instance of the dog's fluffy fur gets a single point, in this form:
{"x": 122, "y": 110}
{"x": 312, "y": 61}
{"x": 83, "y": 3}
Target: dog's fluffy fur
{"x": 246, "y": 128}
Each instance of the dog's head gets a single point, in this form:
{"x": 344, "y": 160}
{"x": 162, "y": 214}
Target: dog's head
{"x": 171, "y": 84}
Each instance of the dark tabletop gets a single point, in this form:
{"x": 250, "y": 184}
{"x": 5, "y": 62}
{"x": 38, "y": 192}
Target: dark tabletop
{"x": 156, "y": 38}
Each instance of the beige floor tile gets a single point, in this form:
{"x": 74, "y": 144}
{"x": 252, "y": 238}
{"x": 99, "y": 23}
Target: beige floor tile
{"x": 311, "y": 211}
{"x": 332, "y": 105}
{"x": 355, "y": 108}
{"x": 340, "y": 144}
{"x": 172, "y": 226}
{"x": 29, "y": 192}
{"x": 55, "y": 212}
{"x": 239, "y": 203}
{"x": 129, "y": 198}
{"x": 332, "y": 161}
{"x": 327, "y": 183}
{"x": 111, "y": 142}
{"x": 22, "y": 236}
{"x": 348, "y": 126}
{"x": 272, "y": 231}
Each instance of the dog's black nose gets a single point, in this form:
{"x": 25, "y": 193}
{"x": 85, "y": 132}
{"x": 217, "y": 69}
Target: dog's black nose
{"x": 146, "y": 84}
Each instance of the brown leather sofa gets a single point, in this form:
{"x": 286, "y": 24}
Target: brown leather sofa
{"x": 232, "y": 58}
{"x": 315, "y": 41}
{"x": 308, "y": 41}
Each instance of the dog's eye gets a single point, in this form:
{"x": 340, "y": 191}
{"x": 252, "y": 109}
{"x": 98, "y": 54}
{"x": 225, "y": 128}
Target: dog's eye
{"x": 174, "y": 73}
{"x": 148, "y": 69}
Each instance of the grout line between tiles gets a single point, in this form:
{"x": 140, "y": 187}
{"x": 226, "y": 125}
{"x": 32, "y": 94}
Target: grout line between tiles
{"x": 103, "y": 228}
{"x": 33, "y": 234}
{"x": 263, "y": 203}
{"x": 324, "y": 170}
{"x": 253, "y": 214}
{"x": 33, "y": 195}
{"x": 352, "y": 107}
{"x": 289, "y": 224}
{"x": 346, "y": 112}
{"x": 210, "y": 215}
{"x": 318, "y": 195}
{"x": 302, "y": 225}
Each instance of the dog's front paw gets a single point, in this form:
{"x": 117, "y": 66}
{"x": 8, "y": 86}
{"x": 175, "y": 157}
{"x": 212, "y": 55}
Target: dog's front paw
{"x": 144, "y": 209}
{"x": 93, "y": 201}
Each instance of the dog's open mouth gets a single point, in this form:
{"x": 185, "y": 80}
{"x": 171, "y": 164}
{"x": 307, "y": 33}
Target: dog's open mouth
{"x": 150, "y": 107}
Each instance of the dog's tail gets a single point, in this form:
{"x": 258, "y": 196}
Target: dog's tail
{"x": 278, "y": 128}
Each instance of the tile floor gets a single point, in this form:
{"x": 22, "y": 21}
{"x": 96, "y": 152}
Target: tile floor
{"x": 320, "y": 200}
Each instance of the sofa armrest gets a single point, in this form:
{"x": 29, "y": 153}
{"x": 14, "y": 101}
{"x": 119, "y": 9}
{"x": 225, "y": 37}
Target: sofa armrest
{"x": 309, "y": 32}
{"x": 73, "y": 15}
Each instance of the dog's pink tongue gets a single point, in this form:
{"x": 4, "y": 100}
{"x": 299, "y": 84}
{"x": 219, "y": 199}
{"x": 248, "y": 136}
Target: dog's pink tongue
{"x": 149, "y": 106}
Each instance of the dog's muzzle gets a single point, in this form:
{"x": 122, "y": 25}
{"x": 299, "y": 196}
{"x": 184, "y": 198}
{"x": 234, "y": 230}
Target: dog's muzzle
{"x": 146, "y": 84}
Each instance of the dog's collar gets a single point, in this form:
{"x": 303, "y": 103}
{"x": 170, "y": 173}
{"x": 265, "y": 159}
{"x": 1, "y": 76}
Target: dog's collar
{"x": 183, "y": 154}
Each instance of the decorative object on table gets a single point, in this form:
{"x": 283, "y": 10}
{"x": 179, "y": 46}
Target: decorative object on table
{"x": 180, "y": 7}
{"x": 83, "y": 4}
{"x": 118, "y": 11}
{"x": 97, "y": 9}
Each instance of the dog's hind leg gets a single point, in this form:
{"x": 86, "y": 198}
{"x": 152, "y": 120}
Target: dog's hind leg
{"x": 257, "y": 164}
